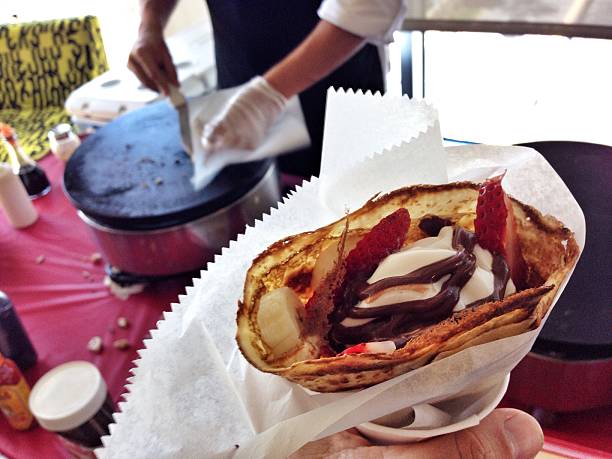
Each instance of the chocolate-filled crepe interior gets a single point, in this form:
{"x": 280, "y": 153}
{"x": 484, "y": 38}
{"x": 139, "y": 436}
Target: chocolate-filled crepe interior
{"x": 398, "y": 283}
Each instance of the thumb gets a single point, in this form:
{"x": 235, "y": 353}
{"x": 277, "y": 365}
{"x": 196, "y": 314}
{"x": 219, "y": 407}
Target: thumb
{"x": 505, "y": 433}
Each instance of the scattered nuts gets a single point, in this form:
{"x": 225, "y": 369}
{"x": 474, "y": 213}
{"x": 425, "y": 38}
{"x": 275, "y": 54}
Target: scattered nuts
{"x": 122, "y": 322}
{"x": 95, "y": 258}
{"x": 122, "y": 344}
{"x": 95, "y": 345}
{"x": 40, "y": 259}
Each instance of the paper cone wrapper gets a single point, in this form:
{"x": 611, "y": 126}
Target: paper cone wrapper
{"x": 194, "y": 395}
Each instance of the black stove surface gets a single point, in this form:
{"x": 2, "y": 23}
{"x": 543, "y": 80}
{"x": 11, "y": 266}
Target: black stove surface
{"x": 580, "y": 325}
{"x": 126, "y": 279}
{"x": 134, "y": 174}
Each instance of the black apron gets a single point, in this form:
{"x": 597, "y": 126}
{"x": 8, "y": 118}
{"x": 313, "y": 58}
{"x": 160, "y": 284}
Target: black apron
{"x": 253, "y": 35}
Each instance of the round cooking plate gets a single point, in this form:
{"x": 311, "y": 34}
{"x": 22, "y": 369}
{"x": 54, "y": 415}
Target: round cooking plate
{"x": 579, "y": 326}
{"x": 134, "y": 174}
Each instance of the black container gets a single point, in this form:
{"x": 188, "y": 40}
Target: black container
{"x": 72, "y": 401}
{"x": 31, "y": 174}
{"x": 14, "y": 341}
{"x": 34, "y": 180}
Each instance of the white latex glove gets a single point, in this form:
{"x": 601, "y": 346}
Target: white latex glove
{"x": 245, "y": 119}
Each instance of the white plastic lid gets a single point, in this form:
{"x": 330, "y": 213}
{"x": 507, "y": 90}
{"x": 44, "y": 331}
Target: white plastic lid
{"x": 67, "y": 396}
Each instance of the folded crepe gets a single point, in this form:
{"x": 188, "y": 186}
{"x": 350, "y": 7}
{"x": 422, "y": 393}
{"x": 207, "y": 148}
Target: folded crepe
{"x": 294, "y": 320}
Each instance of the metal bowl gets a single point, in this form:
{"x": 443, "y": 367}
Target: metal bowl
{"x": 187, "y": 246}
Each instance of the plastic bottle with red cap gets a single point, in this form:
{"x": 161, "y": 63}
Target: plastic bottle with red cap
{"x": 14, "y": 394}
{"x": 32, "y": 176}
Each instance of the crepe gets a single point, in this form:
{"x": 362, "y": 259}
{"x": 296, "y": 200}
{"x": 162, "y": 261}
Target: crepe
{"x": 548, "y": 248}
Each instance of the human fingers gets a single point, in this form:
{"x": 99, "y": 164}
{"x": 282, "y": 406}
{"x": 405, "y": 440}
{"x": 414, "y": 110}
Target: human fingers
{"x": 153, "y": 69}
{"x": 151, "y": 54}
{"x": 505, "y": 433}
{"x": 168, "y": 66}
{"x": 138, "y": 63}
{"x": 346, "y": 440}
{"x": 229, "y": 130}
{"x": 223, "y": 136}
{"x": 212, "y": 136}
{"x": 135, "y": 67}
{"x": 245, "y": 118}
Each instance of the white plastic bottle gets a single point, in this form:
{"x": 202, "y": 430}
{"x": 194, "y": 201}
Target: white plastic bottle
{"x": 63, "y": 141}
{"x": 14, "y": 199}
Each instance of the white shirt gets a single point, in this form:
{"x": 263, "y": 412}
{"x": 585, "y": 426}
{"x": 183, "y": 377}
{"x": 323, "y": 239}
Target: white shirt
{"x": 375, "y": 20}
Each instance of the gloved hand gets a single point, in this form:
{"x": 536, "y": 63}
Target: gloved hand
{"x": 245, "y": 119}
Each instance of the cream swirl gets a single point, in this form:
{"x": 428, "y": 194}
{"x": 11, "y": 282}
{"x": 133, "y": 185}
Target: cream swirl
{"x": 423, "y": 283}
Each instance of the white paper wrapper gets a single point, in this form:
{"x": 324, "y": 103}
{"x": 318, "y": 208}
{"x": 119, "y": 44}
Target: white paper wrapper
{"x": 287, "y": 134}
{"x": 394, "y": 133}
{"x": 458, "y": 413}
{"x": 419, "y": 416}
{"x": 194, "y": 395}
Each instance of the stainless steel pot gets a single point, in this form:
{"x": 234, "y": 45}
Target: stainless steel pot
{"x": 188, "y": 246}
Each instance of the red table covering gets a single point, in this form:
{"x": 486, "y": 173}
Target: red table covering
{"x": 63, "y": 302}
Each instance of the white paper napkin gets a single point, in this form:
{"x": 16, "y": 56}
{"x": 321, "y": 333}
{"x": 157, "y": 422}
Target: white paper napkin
{"x": 287, "y": 134}
{"x": 372, "y": 144}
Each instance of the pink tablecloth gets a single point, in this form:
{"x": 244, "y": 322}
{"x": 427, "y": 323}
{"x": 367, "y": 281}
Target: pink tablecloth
{"x": 62, "y": 303}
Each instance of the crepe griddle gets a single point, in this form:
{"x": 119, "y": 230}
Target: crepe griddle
{"x": 570, "y": 365}
{"x": 579, "y": 325}
{"x": 133, "y": 174}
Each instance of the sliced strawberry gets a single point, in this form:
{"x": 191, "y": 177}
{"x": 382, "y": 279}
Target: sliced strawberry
{"x": 386, "y": 237}
{"x": 376, "y": 347}
{"x": 496, "y": 227}
{"x": 356, "y": 349}
{"x": 338, "y": 291}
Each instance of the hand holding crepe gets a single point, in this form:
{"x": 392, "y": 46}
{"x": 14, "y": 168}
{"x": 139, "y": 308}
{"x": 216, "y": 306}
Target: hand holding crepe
{"x": 504, "y": 433}
{"x": 415, "y": 275}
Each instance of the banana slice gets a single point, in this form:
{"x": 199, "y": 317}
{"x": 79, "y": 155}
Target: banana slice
{"x": 278, "y": 320}
{"x": 328, "y": 256}
{"x": 324, "y": 264}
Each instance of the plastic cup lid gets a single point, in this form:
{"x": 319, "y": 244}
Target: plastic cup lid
{"x": 67, "y": 396}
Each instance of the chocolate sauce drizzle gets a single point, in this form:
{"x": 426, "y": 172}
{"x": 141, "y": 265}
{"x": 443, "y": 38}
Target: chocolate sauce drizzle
{"x": 398, "y": 321}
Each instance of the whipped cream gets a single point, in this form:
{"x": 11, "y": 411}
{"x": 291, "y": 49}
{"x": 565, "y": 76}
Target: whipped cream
{"x": 418, "y": 255}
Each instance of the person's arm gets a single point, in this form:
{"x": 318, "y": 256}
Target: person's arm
{"x": 326, "y": 48}
{"x": 245, "y": 120}
{"x": 344, "y": 27}
{"x": 150, "y": 58}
